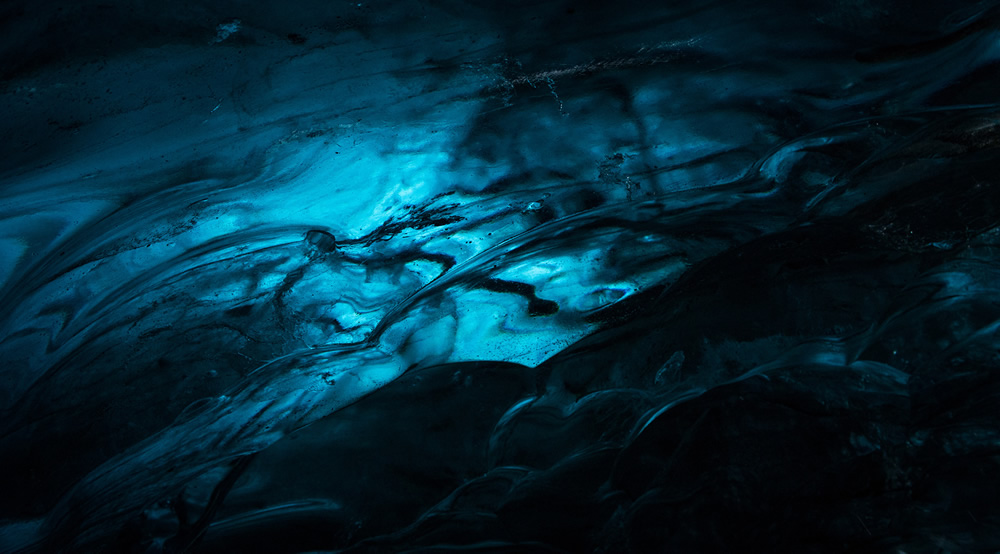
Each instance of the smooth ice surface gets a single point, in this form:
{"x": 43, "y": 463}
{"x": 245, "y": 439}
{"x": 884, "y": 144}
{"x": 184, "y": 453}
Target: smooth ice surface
{"x": 511, "y": 277}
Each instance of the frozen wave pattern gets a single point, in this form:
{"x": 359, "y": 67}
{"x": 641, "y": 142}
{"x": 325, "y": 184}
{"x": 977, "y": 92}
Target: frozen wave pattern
{"x": 431, "y": 277}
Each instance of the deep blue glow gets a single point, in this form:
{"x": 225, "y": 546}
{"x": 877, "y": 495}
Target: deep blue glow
{"x": 551, "y": 277}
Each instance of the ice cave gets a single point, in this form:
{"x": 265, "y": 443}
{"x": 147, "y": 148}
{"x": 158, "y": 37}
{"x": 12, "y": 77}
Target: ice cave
{"x": 547, "y": 276}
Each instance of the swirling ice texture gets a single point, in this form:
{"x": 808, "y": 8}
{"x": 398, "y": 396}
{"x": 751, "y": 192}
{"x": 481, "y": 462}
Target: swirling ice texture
{"x": 550, "y": 277}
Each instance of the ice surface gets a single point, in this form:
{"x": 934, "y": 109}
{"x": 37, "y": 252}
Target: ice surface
{"x": 515, "y": 277}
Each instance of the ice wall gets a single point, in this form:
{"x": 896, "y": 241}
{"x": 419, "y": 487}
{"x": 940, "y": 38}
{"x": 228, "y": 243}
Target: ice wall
{"x": 509, "y": 277}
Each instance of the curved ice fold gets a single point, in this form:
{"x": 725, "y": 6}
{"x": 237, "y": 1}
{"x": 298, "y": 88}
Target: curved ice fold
{"x": 563, "y": 277}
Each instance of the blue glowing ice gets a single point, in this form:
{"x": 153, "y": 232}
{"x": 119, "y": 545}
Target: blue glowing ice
{"x": 585, "y": 278}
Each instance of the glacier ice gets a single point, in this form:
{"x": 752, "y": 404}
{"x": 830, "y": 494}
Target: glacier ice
{"x": 523, "y": 277}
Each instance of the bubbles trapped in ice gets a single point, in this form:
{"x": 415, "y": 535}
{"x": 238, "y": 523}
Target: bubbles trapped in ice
{"x": 321, "y": 242}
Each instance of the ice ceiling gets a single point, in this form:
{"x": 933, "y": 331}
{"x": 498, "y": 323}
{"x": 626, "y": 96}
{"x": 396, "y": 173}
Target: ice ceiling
{"x": 499, "y": 276}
